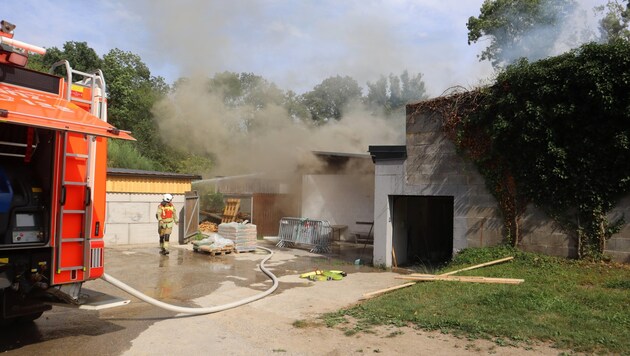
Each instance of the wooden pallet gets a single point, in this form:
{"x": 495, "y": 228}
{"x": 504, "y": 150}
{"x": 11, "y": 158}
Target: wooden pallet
{"x": 230, "y": 211}
{"x": 215, "y": 251}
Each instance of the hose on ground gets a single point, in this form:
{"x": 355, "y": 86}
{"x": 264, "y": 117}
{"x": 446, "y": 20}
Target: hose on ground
{"x": 199, "y": 310}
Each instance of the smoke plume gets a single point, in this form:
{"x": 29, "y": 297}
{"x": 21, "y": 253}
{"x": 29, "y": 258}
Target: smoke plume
{"x": 298, "y": 44}
{"x": 272, "y": 142}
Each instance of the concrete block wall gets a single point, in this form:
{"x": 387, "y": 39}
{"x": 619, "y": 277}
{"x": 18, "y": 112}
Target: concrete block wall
{"x": 541, "y": 234}
{"x": 618, "y": 247}
{"x": 389, "y": 180}
{"x": 433, "y": 167}
{"x": 131, "y": 218}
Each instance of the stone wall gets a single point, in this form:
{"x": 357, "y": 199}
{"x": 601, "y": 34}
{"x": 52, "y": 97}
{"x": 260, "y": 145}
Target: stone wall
{"x": 619, "y": 245}
{"x": 434, "y": 167}
{"x": 131, "y": 218}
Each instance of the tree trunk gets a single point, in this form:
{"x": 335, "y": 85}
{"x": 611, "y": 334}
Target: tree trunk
{"x": 602, "y": 237}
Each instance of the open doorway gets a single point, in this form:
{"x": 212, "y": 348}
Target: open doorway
{"x": 422, "y": 229}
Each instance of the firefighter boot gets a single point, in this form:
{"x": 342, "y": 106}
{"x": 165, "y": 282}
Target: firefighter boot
{"x": 165, "y": 248}
{"x": 162, "y": 249}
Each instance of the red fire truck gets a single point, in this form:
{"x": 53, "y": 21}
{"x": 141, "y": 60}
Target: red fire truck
{"x": 53, "y": 152}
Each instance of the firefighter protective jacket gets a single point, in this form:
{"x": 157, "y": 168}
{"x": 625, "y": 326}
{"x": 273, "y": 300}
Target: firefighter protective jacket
{"x": 166, "y": 214}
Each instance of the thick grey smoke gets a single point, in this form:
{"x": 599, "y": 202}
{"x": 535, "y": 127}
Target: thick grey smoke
{"x": 200, "y": 122}
{"x": 315, "y": 41}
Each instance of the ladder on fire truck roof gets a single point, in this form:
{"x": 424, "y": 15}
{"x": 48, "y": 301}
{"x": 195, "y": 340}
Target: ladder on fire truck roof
{"x": 76, "y": 185}
{"x": 95, "y": 81}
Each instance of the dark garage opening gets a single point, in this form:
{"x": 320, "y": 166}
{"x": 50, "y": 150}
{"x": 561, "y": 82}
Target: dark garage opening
{"x": 422, "y": 229}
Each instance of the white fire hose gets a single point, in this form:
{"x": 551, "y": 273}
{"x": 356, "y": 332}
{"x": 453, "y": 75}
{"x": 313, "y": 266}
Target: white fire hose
{"x": 199, "y": 310}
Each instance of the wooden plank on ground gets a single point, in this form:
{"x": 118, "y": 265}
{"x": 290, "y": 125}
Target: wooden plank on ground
{"x": 381, "y": 291}
{"x": 484, "y": 279}
{"x": 478, "y": 266}
{"x": 471, "y": 279}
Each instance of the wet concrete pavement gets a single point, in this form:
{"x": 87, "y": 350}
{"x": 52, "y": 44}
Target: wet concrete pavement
{"x": 186, "y": 278}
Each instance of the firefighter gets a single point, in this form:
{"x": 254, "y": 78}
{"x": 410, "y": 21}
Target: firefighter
{"x": 166, "y": 215}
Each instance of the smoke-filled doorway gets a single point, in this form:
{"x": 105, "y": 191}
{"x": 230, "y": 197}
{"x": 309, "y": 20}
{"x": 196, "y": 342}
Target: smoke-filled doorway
{"x": 422, "y": 229}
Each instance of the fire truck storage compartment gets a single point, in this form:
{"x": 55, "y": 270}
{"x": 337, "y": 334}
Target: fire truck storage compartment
{"x": 25, "y": 180}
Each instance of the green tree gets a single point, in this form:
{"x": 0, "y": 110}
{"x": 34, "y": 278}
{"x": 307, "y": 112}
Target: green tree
{"x": 515, "y": 28}
{"x": 377, "y": 93}
{"x": 123, "y": 154}
{"x": 195, "y": 164}
{"x": 328, "y": 99}
{"x": 298, "y": 112}
{"x": 248, "y": 92}
{"x": 413, "y": 88}
{"x": 132, "y": 91}
{"x": 128, "y": 80}
{"x": 614, "y": 23}
{"x": 36, "y": 62}
{"x": 80, "y": 56}
{"x": 243, "y": 89}
{"x": 392, "y": 93}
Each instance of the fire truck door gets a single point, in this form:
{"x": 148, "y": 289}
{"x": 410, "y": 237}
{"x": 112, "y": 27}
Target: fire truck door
{"x": 72, "y": 238}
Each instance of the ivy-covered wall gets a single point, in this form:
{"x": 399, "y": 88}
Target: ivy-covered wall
{"x": 551, "y": 136}
{"x": 434, "y": 167}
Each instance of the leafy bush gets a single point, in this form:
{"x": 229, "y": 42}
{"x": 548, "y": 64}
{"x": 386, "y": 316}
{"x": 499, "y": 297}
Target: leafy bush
{"x": 212, "y": 202}
{"x": 122, "y": 154}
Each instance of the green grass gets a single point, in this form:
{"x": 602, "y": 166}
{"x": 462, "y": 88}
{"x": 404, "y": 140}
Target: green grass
{"x": 581, "y": 306}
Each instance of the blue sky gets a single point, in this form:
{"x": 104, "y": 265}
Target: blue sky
{"x": 293, "y": 43}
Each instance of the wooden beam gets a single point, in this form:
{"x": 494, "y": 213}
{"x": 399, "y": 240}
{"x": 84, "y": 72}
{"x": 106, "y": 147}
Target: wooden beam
{"x": 381, "y": 291}
{"x": 471, "y": 279}
{"x": 394, "y": 257}
{"x": 431, "y": 277}
{"x": 478, "y": 266}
